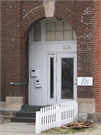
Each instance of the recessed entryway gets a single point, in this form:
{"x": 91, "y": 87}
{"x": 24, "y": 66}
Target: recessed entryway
{"x": 52, "y": 62}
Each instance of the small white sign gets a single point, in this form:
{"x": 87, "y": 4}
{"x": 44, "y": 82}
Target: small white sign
{"x": 85, "y": 81}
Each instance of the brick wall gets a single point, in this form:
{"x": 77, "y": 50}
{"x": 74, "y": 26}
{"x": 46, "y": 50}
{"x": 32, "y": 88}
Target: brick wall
{"x": 10, "y": 48}
{"x": 14, "y": 47}
{"x": 19, "y": 17}
{"x": 97, "y": 42}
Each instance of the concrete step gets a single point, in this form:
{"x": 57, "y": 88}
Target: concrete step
{"x": 23, "y": 119}
{"x": 31, "y": 108}
{"x": 26, "y": 114}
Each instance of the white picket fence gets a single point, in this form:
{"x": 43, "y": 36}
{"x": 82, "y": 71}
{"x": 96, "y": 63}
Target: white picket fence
{"x": 56, "y": 115}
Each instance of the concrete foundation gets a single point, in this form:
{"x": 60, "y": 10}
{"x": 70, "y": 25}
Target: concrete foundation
{"x": 86, "y": 105}
{"x": 14, "y": 103}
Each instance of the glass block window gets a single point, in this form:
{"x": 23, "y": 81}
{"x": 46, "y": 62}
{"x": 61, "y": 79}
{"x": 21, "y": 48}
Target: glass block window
{"x": 59, "y": 31}
{"x": 37, "y": 32}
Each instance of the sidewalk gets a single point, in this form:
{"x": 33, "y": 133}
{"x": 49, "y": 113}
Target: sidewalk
{"x": 29, "y": 129}
{"x": 17, "y": 129}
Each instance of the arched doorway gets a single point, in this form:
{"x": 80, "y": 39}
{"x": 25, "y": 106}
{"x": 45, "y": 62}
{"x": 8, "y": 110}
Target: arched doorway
{"x": 52, "y": 62}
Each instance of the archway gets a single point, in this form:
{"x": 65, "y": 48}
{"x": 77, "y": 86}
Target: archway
{"x": 33, "y": 17}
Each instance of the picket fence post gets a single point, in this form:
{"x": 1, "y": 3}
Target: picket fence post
{"x": 59, "y": 116}
{"x": 76, "y": 112}
{"x": 38, "y": 122}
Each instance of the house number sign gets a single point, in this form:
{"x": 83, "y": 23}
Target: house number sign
{"x": 85, "y": 81}
{"x": 66, "y": 47}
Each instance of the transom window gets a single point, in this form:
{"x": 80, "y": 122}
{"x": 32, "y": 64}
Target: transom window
{"x": 55, "y": 31}
{"x": 37, "y": 32}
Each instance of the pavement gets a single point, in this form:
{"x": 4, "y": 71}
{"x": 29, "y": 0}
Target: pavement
{"x": 14, "y": 128}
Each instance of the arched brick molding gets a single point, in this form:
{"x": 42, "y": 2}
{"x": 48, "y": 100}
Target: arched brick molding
{"x": 30, "y": 18}
{"x": 65, "y": 14}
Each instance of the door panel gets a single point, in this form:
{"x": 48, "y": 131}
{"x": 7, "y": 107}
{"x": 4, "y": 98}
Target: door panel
{"x": 66, "y": 77}
{"x": 51, "y": 79}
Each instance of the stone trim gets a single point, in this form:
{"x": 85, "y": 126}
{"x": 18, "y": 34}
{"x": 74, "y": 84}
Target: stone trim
{"x": 49, "y": 7}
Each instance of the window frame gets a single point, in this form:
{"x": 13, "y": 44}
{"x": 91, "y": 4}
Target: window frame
{"x": 43, "y": 31}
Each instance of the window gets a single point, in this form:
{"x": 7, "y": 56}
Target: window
{"x": 49, "y": 31}
{"x": 59, "y": 31}
{"x": 67, "y": 31}
{"x": 37, "y": 32}
{"x": 55, "y": 31}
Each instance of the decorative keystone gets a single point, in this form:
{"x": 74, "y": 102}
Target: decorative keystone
{"x": 49, "y": 7}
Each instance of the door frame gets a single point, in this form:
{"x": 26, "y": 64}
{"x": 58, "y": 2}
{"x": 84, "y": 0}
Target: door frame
{"x": 56, "y": 95}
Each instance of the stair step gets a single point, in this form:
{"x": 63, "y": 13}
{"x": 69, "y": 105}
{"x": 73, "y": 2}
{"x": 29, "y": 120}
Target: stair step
{"x": 30, "y": 108}
{"x": 23, "y": 119}
{"x": 25, "y": 114}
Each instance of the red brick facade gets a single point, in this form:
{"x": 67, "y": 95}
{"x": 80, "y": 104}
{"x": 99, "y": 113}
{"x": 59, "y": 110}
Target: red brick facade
{"x": 97, "y": 42}
{"x": 19, "y": 17}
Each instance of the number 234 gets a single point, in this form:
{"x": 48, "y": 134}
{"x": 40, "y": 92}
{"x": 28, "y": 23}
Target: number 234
{"x": 66, "y": 47}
